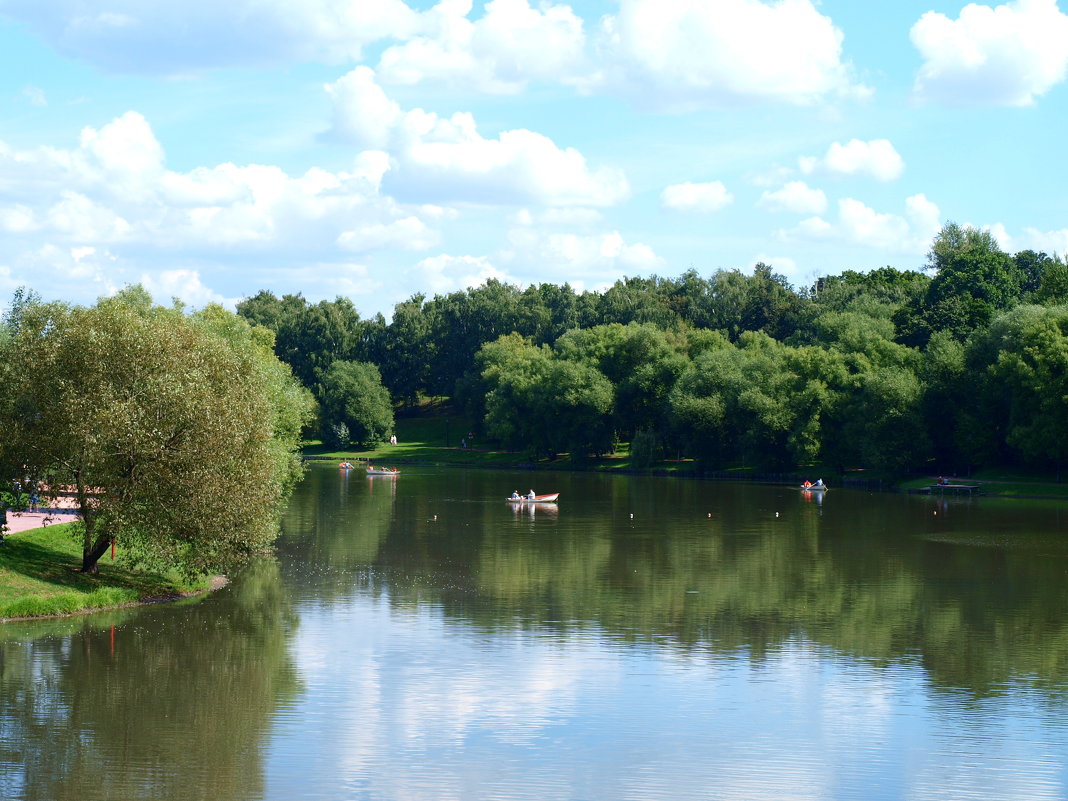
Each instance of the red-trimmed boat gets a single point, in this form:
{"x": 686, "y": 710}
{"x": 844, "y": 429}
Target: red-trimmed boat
{"x": 550, "y": 498}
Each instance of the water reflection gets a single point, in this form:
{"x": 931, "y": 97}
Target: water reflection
{"x": 879, "y": 577}
{"x": 417, "y": 638}
{"x": 163, "y": 703}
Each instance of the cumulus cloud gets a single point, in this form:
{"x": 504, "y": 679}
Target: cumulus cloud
{"x": 439, "y": 159}
{"x": 444, "y": 273}
{"x": 797, "y": 197}
{"x": 133, "y": 36}
{"x": 876, "y": 158}
{"x": 574, "y": 216}
{"x": 85, "y": 272}
{"x": 112, "y": 213}
{"x": 114, "y": 187}
{"x": 589, "y": 260}
{"x": 706, "y": 197}
{"x": 859, "y": 224}
{"x": 511, "y": 44}
{"x": 184, "y": 285}
{"x": 698, "y": 53}
{"x": 1007, "y": 55}
{"x": 409, "y": 233}
{"x": 1047, "y": 241}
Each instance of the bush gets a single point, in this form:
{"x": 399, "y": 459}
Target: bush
{"x": 336, "y": 435}
{"x": 645, "y": 448}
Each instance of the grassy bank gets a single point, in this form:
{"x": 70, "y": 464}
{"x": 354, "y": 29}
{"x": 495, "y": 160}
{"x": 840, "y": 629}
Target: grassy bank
{"x": 39, "y": 577}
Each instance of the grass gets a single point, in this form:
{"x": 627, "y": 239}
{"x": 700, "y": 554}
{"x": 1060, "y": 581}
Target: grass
{"x": 39, "y": 576}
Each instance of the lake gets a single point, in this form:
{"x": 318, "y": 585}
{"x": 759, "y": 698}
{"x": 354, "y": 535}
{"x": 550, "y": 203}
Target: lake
{"x": 645, "y": 638}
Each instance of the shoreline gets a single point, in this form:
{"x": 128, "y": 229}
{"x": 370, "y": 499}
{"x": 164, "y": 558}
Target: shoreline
{"x": 216, "y": 583}
{"x": 21, "y": 523}
{"x": 986, "y": 487}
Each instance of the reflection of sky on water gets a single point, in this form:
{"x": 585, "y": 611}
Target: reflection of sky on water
{"x": 409, "y": 705}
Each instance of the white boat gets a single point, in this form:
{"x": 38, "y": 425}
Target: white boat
{"x": 814, "y": 488}
{"x": 550, "y": 498}
{"x": 382, "y": 471}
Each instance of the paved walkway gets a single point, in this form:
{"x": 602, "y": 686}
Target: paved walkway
{"x": 63, "y": 511}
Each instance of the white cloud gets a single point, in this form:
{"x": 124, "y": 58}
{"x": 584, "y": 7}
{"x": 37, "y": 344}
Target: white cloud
{"x": 194, "y": 35}
{"x": 859, "y": 224}
{"x": 876, "y": 158}
{"x": 85, "y": 272}
{"x": 443, "y": 273}
{"x": 511, "y": 44}
{"x": 1007, "y": 55}
{"x": 440, "y": 159}
{"x": 1046, "y": 241}
{"x": 797, "y": 197}
{"x": 574, "y": 216}
{"x": 706, "y": 197}
{"x": 589, "y": 260}
{"x": 184, "y": 285}
{"x": 409, "y": 233}
{"x": 114, "y": 187}
{"x": 698, "y": 53}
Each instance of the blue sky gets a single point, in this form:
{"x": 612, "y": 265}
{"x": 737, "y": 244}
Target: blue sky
{"x": 375, "y": 149}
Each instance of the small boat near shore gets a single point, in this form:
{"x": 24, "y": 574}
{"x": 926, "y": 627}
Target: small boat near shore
{"x": 382, "y": 471}
{"x": 550, "y": 498}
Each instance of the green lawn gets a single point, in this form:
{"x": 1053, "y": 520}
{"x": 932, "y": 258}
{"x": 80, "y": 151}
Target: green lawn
{"x": 39, "y": 575}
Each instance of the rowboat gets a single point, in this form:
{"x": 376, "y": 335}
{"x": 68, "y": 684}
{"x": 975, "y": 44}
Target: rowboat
{"x": 382, "y": 471}
{"x": 550, "y": 498}
{"x": 814, "y": 488}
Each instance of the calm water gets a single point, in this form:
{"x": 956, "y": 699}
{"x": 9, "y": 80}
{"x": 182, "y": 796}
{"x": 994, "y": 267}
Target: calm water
{"x": 417, "y": 638}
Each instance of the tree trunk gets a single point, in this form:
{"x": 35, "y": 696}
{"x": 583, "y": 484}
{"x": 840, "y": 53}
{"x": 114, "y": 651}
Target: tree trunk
{"x": 92, "y": 554}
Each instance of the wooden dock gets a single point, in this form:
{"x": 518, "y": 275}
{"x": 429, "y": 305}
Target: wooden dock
{"x": 966, "y": 489}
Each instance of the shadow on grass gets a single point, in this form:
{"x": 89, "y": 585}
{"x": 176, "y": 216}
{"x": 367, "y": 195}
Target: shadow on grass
{"x": 44, "y": 565}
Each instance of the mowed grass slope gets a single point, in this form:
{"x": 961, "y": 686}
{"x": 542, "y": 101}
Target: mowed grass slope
{"x": 40, "y": 576}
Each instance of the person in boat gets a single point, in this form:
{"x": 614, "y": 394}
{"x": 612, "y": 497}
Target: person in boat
{"x": 515, "y": 495}
{"x": 819, "y": 482}
{"x": 531, "y": 496}
{"x": 807, "y": 484}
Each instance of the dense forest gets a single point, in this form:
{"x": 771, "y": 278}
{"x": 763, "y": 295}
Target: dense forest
{"x": 960, "y": 365}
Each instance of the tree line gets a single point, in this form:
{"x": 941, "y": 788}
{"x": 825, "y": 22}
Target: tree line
{"x": 962, "y": 363}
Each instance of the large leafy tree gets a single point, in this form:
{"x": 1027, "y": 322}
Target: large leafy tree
{"x": 544, "y": 405}
{"x": 640, "y": 360}
{"x": 1032, "y": 368}
{"x": 974, "y": 279}
{"x": 353, "y": 396}
{"x": 176, "y": 435}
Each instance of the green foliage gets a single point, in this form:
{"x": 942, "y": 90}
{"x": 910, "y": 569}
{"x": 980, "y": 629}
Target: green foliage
{"x": 353, "y": 396}
{"x": 544, "y": 405}
{"x": 1032, "y": 366}
{"x": 178, "y": 434}
{"x": 973, "y": 280}
{"x": 645, "y": 448}
{"x": 880, "y": 369}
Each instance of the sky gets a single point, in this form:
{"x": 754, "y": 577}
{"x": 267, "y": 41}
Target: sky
{"x": 374, "y": 149}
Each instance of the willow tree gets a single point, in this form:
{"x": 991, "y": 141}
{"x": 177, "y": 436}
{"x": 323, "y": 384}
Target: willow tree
{"x": 175, "y": 434}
